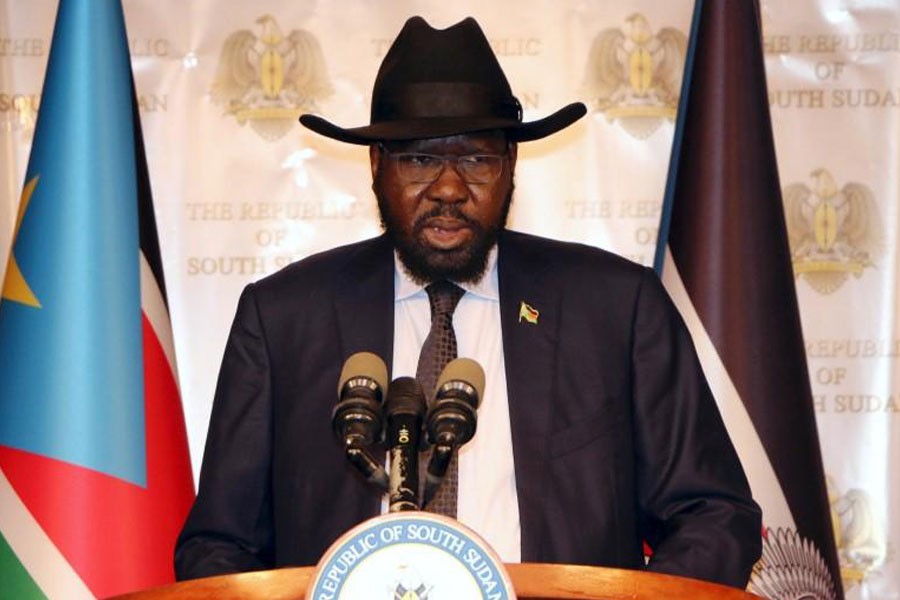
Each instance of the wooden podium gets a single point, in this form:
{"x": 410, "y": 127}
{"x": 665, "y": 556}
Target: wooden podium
{"x": 531, "y": 581}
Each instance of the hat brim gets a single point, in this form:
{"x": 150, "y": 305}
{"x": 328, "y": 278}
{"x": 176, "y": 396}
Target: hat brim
{"x": 415, "y": 129}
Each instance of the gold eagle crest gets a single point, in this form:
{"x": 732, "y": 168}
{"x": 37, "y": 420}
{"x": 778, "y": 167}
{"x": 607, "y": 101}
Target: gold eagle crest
{"x": 833, "y": 232}
{"x": 269, "y": 79}
{"x": 634, "y": 76}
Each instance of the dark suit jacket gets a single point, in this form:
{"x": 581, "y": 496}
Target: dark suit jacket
{"x": 616, "y": 438}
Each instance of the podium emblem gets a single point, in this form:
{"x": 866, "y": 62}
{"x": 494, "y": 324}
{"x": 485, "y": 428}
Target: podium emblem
{"x": 410, "y": 556}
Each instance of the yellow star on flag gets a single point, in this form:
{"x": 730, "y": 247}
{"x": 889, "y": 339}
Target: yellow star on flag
{"x": 15, "y": 287}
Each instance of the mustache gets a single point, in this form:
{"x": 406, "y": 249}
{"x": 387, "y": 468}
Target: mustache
{"x": 449, "y": 211}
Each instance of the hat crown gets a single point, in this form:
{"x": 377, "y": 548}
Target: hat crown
{"x": 423, "y": 54}
{"x": 425, "y": 75}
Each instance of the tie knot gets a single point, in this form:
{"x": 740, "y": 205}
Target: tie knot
{"x": 443, "y": 296}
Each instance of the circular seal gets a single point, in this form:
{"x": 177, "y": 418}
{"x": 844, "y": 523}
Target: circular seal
{"x": 413, "y": 556}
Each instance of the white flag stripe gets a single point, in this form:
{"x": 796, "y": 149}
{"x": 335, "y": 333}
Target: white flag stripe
{"x": 155, "y": 308}
{"x": 763, "y": 481}
{"x": 38, "y": 554}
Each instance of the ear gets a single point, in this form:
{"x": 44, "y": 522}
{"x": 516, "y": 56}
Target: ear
{"x": 375, "y": 159}
{"x": 513, "y": 151}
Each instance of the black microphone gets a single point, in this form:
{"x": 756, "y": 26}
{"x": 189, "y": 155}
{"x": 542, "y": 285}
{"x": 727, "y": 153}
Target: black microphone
{"x": 452, "y": 417}
{"x": 404, "y": 411}
{"x": 356, "y": 418}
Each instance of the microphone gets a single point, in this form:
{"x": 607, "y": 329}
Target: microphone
{"x": 356, "y": 418}
{"x": 452, "y": 417}
{"x": 404, "y": 411}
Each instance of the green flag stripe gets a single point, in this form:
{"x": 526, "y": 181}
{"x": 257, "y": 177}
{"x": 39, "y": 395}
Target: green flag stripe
{"x": 17, "y": 583}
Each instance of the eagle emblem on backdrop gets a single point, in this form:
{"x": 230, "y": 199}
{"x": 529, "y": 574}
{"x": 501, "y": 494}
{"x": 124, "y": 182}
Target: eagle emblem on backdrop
{"x": 861, "y": 540}
{"x": 634, "y": 76}
{"x": 834, "y": 232}
{"x": 269, "y": 79}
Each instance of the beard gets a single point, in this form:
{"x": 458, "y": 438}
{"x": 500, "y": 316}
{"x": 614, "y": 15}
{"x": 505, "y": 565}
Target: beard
{"x": 424, "y": 264}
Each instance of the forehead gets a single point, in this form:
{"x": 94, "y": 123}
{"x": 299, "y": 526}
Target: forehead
{"x": 493, "y": 142}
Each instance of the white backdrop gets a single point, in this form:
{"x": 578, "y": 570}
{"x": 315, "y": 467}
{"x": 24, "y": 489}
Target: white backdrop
{"x": 241, "y": 189}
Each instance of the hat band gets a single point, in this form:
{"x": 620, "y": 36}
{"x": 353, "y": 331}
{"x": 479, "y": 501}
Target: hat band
{"x": 443, "y": 100}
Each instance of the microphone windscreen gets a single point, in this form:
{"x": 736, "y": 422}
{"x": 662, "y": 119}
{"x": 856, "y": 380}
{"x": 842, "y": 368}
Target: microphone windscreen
{"x": 463, "y": 369}
{"x": 405, "y": 397}
{"x": 364, "y": 364}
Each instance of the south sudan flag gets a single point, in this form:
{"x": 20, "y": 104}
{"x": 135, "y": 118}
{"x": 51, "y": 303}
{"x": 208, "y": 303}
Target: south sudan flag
{"x": 95, "y": 478}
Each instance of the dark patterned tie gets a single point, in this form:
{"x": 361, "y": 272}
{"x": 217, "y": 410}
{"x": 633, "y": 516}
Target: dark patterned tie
{"x": 438, "y": 350}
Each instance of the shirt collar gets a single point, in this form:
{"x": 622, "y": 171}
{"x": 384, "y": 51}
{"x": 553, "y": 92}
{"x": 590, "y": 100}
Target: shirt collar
{"x": 486, "y": 287}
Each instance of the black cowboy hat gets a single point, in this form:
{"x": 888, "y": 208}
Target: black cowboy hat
{"x": 435, "y": 83}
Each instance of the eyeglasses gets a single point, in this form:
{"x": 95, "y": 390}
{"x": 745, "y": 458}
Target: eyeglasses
{"x": 416, "y": 167}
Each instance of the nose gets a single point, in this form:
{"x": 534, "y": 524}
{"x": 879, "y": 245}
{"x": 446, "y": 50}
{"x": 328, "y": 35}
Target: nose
{"x": 449, "y": 187}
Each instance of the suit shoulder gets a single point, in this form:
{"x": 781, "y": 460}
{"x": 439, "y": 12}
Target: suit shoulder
{"x": 319, "y": 270}
{"x": 571, "y": 258}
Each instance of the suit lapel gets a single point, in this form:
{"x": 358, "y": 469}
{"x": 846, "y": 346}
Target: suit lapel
{"x": 364, "y": 301}
{"x": 364, "y": 305}
{"x": 530, "y": 355}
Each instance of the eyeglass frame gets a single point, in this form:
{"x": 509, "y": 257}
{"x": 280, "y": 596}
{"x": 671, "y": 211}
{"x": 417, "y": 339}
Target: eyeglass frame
{"x": 444, "y": 159}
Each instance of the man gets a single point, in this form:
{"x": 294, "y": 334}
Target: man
{"x": 597, "y": 432}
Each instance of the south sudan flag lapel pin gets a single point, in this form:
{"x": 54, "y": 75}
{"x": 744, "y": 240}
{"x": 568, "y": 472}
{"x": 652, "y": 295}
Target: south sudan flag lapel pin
{"x": 528, "y": 313}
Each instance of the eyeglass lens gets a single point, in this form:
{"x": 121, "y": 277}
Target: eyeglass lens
{"x": 425, "y": 168}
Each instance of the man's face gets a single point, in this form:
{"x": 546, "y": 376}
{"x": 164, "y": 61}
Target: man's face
{"x": 443, "y": 229}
